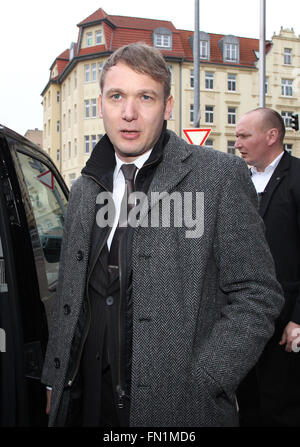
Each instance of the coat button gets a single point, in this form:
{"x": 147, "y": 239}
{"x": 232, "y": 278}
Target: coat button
{"x": 67, "y": 309}
{"x": 56, "y": 363}
{"x": 109, "y": 300}
{"x": 79, "y": 255}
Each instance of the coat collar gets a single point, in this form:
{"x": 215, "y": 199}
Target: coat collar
{"x": 277, "y": 176}
{"x": 101, "y": 164}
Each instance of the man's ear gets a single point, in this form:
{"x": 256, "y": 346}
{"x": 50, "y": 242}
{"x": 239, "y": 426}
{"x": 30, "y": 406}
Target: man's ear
{"x": 169, "y": 107}
{"x": 272, "y": 136}
{"x": 100, "y": 106}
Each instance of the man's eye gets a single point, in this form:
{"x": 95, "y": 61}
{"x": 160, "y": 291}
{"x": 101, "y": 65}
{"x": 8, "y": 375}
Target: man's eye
{"x": 147, "y": 97}
{"x": 116, "y": 96}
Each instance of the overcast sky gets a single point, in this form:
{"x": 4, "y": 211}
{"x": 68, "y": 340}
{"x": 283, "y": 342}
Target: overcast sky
{"x": 34, "y": 32}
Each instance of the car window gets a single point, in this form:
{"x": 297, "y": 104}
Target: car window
{"x": 48, "y": 206}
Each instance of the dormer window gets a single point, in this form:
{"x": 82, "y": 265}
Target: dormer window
{"x": 162, "y": 38}
{"x": 204, "y": 45}
{"x": 230, "y": 48}
{"x": 89, "y": 39}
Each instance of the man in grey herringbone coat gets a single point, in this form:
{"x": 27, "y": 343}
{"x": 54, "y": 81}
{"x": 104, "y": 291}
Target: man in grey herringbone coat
{"x": 200, "y": 298}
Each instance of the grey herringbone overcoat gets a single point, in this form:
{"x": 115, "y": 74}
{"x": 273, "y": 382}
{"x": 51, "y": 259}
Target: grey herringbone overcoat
{"x": 203, "y": 307}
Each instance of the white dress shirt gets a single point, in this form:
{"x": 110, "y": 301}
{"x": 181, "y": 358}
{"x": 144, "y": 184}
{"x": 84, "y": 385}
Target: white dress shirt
{"x": 261, "y": 179}
{"x": 119, "y": 187}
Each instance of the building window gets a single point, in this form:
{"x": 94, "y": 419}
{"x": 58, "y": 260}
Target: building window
{"x": 230, "y": 147}
{"x": 75, "y": 79}
{"x": 58, "y": 155}
{"x": 89, "y": 39}
{"x": 94, "y": 73}
{"x": 94, "y": 141}
{"x": 286, "y": 87}
{"x": 287, "y": 56}
{"x": 287, "y": 118}
{"x": 231, "y": 82}
{"x": 231, "y": 115}
{"x": 86, "y": 144}
{"x": 191, "y": 113}
{"x": 87, "y": 73}
{"x": 209, "y": 114}
{"x": 192, "y": 78}
{"x": 162, "y": 40}
{"x": 69, "y": 150}
{"x": 58, "y": 97}
{"x": 203, "y": 49}
{"x": 266, "y": 86}
{"x": 58, "y": 126}
{"x": 289, "y": 148}
{"x": 209, "y": 80}
{"x": 100, "y": 66}
{"x": 69, "y": 118}
{"x": 98, "y": 35}
{"x": 94, "y": 108}
{"x": 231, "y": 52}
{"x": 87, "y": 108}
{"x": 209, "y": 144}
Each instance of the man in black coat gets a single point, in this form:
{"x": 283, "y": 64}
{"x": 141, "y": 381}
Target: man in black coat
{"x": 276, "y": 177}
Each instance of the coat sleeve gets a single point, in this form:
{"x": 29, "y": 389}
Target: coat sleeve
{"x": 253, "y": 297}
{"x": 51, "y": 352}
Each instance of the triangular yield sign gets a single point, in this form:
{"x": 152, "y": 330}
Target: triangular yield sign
{"x": 47, "y": 179}
{"x": 197, "y": 136}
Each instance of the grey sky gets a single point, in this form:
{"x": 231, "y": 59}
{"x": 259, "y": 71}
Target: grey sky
{"x": 33, "y": 33}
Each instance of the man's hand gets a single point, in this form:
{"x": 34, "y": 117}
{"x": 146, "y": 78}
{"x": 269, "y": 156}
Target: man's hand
{"x": 48, "y": 401}
{"x": 290, "y": 333}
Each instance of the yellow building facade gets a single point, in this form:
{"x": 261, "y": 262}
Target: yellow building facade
{"x": 228, "y": 87}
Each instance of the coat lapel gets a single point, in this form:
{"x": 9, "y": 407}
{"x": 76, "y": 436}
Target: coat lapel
{"x": 169, "y": 173}
{"x": 278, "y": 175}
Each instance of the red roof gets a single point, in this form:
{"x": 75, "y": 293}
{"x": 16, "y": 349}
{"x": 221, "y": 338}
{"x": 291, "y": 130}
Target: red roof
{"x": 121, "y": 30}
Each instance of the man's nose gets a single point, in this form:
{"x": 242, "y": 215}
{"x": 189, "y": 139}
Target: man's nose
{"x": 237, "y": 144}
{"x": 129, "y": 112}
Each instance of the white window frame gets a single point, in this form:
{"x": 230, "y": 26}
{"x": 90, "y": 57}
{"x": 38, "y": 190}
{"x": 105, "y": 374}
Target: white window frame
{"x": 93, "y": 141}
{"x": 89, "y": 39}
{"x": 191, "y": 113}
{"x": 287, "y": 118}
{"x": 86, "y": 144}
{"x": 231, "y": 115}
{"x": 87, "y": 77}
{"x": 209, "y": 80}
{"x": 98, "y": 33}
{"x": 94, "y": 72}
{"x": 203, "y": 49}
{"x": 287, "y": 87}
{"x": 231, "y": 52}
{"x": 231, "y": 82}
{"x": 231, "y": 147}
{"x": 287, "y": 56}
{"x": 209, "y": 114}
{"x": 94, "y": 108}
{"x": 192, "y": 79}
{"x": 87, "y": 108}
{"x": 162, "y": 40}
{"x": 209, "y": 143}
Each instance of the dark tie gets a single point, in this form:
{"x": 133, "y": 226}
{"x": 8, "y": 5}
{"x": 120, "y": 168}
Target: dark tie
{"x": 260, "y": 195}
{"x": 129, "y": 171}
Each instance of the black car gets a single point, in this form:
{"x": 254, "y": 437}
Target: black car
{"x": 33, "y": 201}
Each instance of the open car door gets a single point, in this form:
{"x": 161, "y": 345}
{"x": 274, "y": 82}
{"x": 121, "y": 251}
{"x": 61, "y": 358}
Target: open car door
{"x": 33, "y": 201}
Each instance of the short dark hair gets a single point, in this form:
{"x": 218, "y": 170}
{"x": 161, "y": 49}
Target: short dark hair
{"x": 271, "y": 119}
{"x": 141, "y": 58}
